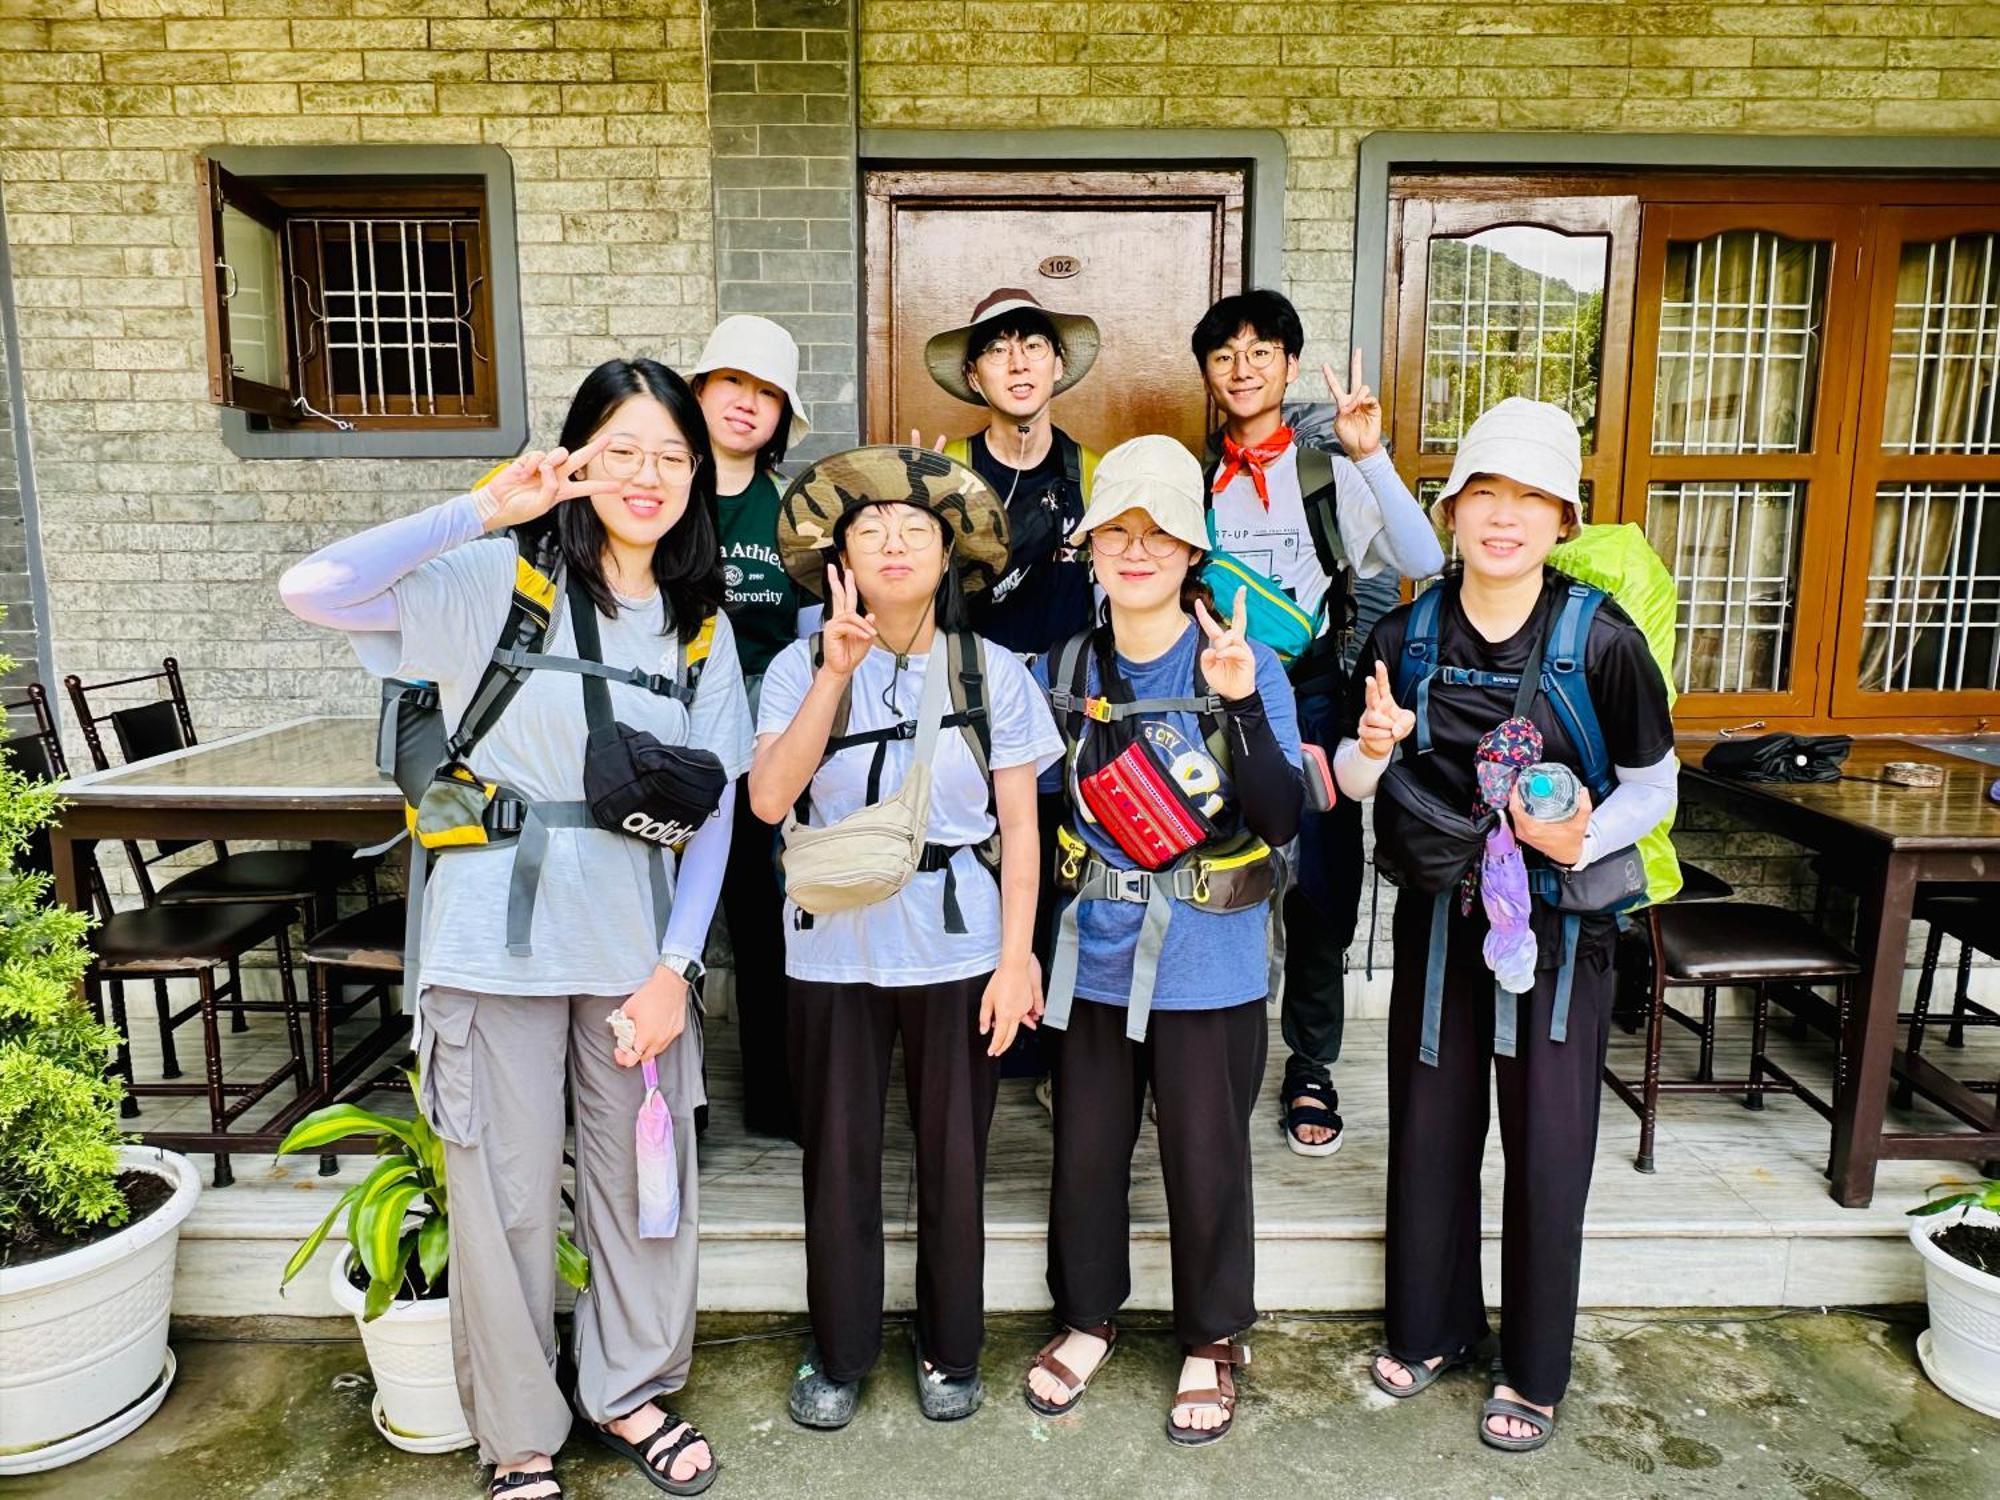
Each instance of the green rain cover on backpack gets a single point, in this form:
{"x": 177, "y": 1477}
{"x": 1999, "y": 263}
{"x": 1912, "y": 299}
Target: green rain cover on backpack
{"x": 1619, "y": 560}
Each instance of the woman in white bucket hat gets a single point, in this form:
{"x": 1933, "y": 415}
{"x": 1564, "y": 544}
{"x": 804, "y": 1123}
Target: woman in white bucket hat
{"x": 1447, "y": 673}
{"x": 747, "y": 381}
{"x": 1181, "y": 783}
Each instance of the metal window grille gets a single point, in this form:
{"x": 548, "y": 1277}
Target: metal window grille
{"x": 1525, "y": 323}
{"x": 1944, "y": 349}
{"x": 1733, "y": 548}
{"x": 1740, "y": 331}
{"x": 388, "y": 314}
{"x": 1932, "y": 615}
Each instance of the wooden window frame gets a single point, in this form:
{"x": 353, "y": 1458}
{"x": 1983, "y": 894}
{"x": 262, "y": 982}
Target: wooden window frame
{"x": 280, "y": 206}
{"x": 1858, "y": 213}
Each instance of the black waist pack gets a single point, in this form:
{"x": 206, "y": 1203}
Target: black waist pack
{"x": 1780, "y": 757}
{"x": 1422, "y": 842}
{"x": 638, "y": 786}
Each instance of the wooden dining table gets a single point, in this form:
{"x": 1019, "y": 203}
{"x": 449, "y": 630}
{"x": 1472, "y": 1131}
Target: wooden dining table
{"x": 1883, "y": 841}
{"x": 305, "y": 780}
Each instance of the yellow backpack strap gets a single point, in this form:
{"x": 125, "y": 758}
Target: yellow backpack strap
{"x": 1089, "y": 456}
{"x": 959, "y": 450}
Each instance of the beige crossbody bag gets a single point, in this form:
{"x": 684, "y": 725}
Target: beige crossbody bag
{"x": 870, "y": 854}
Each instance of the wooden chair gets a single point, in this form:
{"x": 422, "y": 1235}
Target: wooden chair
{"x": 1971, "y": 914}
{"x": 1706, "y": 944}
{"x": 367, "y": 945}
{"x": 160, "y": 942}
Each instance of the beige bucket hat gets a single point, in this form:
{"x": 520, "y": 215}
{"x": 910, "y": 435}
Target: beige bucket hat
{"x": 945, "y": 353}
{"x": 758, "y": 347}
{"x": 974, "y": 520}
{"x": 1530, "y": 442}
{"x": 1154, "y": 474}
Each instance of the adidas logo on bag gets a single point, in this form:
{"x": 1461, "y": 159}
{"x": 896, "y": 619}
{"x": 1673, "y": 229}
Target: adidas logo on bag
{"x": 653, "y": 831}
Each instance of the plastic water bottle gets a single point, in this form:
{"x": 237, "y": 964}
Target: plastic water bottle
{"x": 1549, "y": 791}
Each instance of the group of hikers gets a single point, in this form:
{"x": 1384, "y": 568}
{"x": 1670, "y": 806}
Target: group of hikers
{"x": 1065, "y": 759}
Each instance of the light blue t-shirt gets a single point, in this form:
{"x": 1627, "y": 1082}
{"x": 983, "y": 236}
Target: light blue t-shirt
{"x": 1211, "y": 960}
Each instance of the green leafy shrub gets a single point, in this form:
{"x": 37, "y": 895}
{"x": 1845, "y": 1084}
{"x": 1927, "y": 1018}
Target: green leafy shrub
{"x": 59, "y": 1135}
{"x": 397, "y": 1214}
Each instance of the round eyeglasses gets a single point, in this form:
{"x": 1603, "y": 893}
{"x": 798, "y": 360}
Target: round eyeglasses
{"x": 628, "y": 461}
{"x": 1116, "y": 541}
{"x": 1258, "y": 356}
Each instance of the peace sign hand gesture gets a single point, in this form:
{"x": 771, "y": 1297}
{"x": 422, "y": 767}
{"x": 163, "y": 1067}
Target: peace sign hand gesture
{"x": 1226, "y": 661}
{"x": 536, "y": 483}
{"x": 847, "y": 635}
{"x": 1382, "y": 724}
{"x": 1358, "y": 423}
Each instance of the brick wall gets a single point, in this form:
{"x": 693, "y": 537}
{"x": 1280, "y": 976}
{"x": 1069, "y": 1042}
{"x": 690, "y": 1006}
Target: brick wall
{"x": 1327, "y": 75}
{"x": 156, "y": 537}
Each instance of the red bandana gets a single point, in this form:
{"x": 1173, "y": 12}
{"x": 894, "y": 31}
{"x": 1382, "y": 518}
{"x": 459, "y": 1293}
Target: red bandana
{"x": 1238, "y": 459}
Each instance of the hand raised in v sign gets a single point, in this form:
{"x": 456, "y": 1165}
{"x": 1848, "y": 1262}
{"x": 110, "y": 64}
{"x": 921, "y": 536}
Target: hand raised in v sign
{"x": 848, "y": 635}
{"x": 537, "y": 482}
{"x": 1358, "y": 422}
{"x": 1382, "y": 724}
{"x": 1227, "y": 662}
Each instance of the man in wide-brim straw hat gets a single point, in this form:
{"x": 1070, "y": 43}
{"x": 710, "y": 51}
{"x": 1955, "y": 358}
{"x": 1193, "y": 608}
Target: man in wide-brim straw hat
{"x": 895, "y": 687}
{"x": 1014, "y": 357}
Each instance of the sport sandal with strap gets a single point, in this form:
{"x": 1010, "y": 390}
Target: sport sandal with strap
{"x": 503, "y": 1485}
{"x": 1222, "y": 1394}
{"x": 1422, "y": 1376}
{"x": 1543, "y": 1422}
{"x": 1311, "y": 1103}
{"x": 655, "y": 1457}
{"x": 1071, "y": 1382}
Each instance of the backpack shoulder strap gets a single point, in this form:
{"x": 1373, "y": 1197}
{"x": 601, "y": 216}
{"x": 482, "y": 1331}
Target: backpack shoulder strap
{"x": 695, "y": 655}
{"x": 1069, "y": 685}
{"x": 1317, "y": 490}
{"x": 531, "y": 616}
{"x": 1569, "y": 685}
{"x": 1418, "y": 660}
{"x": 959, "y": 450}
{"x": 1087, "y": 460}
{"x": 968, "y": 700}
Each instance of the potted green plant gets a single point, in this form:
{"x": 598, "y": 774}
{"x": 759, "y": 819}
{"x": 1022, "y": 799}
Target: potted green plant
{"x": 89, "y": 1224}
{"x": 1958, "y": 1236}
{"x": 394, "y": 1275}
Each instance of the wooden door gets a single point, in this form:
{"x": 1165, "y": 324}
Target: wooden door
{"x": 1143, "y": 253}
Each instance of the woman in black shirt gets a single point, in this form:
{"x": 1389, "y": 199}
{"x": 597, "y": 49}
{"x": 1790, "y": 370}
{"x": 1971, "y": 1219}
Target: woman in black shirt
{"x": 1512, "y": 495}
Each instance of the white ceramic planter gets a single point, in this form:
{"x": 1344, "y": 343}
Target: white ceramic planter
{"x": 83, "y": 1335}
{"x": 409, "y": 1354}
{"x": 1961, "y": 1349}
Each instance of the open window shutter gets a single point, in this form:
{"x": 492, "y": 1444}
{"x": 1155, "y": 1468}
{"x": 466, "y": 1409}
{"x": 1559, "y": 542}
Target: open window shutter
{"x": 243, "y": 294}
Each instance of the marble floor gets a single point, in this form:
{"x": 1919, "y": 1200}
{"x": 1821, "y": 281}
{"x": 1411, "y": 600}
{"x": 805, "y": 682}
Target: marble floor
{"x": 1737, "y": 1213}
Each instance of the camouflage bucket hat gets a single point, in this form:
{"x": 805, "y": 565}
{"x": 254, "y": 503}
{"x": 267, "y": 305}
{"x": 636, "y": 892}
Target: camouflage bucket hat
{"x": 974, "y": 520}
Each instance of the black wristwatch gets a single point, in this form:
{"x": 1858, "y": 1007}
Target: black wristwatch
{"x": 690, "y": 969}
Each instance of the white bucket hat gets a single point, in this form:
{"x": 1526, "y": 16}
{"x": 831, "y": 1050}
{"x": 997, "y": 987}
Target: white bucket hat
{"x": 1154, "y": 474}
{"x": 1534, "y": 443}
{"x": 761, "y": 348}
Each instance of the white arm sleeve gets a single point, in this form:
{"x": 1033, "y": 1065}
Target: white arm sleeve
{"x": 700, "y": 882}
{"x": 1643, "y": 798}
{"x": 1356, "y": 773}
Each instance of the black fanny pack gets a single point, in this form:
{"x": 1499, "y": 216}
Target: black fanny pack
{"x": 634, "y": 783}
{"x": 1422, "y": 842}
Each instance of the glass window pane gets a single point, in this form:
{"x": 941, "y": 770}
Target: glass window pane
{"x": 1932, "y": 622}
{"x": 1741, "y": 316}
{"x": 1944, "y": 348}
{"x": 1512, "y": 311}
{"x": 254, "y": 286}
{"x": 1734, "y": 549}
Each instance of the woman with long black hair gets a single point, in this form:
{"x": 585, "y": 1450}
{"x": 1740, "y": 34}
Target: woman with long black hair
{"x": 521, "y": 972}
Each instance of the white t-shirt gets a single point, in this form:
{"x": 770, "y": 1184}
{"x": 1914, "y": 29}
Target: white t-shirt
{"x": 902, "y": 941}
{"x": 1278, "y": 543}
{"x": 593, "y": 930}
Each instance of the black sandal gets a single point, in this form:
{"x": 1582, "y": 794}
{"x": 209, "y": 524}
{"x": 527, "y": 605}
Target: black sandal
{"x": 1318, "y": 1106}
{"x": 657, "y": 1464}
{"x": 1422, "y": 1376}
{"x": 521, "y": 1479}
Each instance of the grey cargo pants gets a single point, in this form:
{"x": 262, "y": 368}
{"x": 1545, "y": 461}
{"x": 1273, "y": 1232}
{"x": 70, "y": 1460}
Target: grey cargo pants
{"x": 493, "y": 1072}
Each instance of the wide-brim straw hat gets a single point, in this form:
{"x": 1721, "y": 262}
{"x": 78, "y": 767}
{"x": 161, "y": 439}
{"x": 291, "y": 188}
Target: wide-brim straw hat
{"x": 972, "y": 515}
{"x": 760, "y": 348}
{"x": 1533, "y": 443}
{"x": 945, "y": 353}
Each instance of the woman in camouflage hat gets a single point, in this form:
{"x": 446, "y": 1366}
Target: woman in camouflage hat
{"x": 895, "y": 538}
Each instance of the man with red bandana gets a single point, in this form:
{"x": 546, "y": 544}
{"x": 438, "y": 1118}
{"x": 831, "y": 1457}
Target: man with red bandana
{"x": 1305, "y": 523}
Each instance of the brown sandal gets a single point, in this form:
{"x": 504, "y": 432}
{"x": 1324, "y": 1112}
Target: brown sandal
{"x": 1047, "y": 1360}
{"x": 1222, "y": 1394}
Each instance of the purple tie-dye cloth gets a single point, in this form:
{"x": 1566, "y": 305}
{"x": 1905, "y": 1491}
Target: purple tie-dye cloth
{"x": 659, "y": 1179}
{"x": 1504, "y": 752}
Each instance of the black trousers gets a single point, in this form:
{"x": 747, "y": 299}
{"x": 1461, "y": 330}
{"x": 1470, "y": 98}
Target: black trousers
{"x": 842, "y": 1036}
{"x": 753, "y": 904}
{"x": 1320, "y": 911}
{"x": 1437, "y": 1132}
{"x": 1205, "y": 1067}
